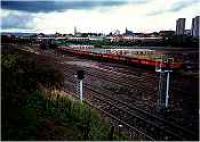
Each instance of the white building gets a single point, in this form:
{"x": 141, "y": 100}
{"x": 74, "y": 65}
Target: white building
{"x": 74, "y": 38}
{"x": 95, "y": 38}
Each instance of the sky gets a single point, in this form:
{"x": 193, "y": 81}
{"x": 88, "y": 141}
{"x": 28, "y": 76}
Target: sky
{"x": 102, "y": 16}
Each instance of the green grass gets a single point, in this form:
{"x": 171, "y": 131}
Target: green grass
{"x": 30, "y": 113}
{"x": 68, "y": 112}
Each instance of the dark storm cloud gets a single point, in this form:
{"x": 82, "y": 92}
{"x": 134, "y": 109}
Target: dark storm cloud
{"x": 24, "y": 19}
{"x": 49, "y": 6}
{"x": 16, "y": 21}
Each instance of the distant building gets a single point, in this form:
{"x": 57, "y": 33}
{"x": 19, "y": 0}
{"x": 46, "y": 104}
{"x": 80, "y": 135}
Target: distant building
{"x": 180, "y": 26}
{"x": 195, "y": 26}
{"x": 139, "y": 34}
{"x": 147, "y": 38}
{"x": 154, "y": 34}
{"x": 128, "y": 32}
{"x": 41, "y": 36}
{"x": 116, "y": 32}
{"x": 166, "y": 33}
{"x": 96, "y": 38}
{"x": 78, "y": 38}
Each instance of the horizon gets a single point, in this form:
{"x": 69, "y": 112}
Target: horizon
{"x": 98, "y": 16}
{"x": 81, "y": 32}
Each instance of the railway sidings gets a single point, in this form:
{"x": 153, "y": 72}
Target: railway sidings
{"x": 128, "y": 98}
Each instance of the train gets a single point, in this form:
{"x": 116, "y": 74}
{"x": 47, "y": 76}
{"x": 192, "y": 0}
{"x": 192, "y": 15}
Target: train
{"x": 121, "y": 58}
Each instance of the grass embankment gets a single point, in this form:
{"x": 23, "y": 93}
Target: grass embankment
{"x": 30, "y": 114}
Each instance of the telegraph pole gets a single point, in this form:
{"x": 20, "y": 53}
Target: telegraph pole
{"x": 80, "y": 75}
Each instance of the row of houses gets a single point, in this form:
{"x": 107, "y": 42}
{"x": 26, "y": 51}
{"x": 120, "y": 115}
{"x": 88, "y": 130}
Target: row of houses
{"x": 112, "y": 38}
{"x": 98, "y": 37}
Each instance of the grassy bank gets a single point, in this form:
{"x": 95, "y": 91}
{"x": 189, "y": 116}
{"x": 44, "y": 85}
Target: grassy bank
{"x": 29, "y": 113}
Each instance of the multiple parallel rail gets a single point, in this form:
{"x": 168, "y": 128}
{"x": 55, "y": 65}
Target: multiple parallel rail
{"x": 156, "y": 127}
{"x": 148, "y": 126}
{"x": 138, "y": 121}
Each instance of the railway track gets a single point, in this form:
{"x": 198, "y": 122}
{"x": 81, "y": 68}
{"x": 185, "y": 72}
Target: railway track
{"x": 113, "y": 75}
{"x": 137, "y": 93}
{"x": 127, "y": 70}
{"x": 132, "y": 132}
{"x": 145, "y": 104}
{"x": 154, "y": 126}
{"x": 174, "y": 132}
{"x": 120, "y": 79}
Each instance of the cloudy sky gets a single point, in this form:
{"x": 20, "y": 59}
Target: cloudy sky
{"x": 50, "y": 16}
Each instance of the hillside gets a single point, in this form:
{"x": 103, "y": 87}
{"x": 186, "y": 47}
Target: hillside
{"x": 31, "y": 113}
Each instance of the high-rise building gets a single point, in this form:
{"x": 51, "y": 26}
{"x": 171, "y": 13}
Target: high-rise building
{"x": 195, "y": 26}
{"x": 180, "y": 26}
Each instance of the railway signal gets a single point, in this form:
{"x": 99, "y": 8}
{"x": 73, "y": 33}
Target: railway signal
{"x": 80, "y": 76}
{"x": 164, "y": 83}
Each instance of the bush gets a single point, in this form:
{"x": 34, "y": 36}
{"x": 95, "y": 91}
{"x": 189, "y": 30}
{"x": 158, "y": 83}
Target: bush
{"x": 29, "y": 114}
{"x": 64, "y": 109}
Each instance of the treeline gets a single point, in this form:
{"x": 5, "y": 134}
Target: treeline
{"x": 13, "y": 39}
{"x": 30, "y": 113}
